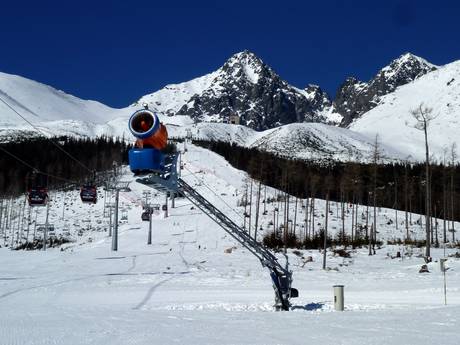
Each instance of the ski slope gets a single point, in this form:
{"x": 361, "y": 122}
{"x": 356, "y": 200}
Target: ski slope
{"x": 184, "y": 289}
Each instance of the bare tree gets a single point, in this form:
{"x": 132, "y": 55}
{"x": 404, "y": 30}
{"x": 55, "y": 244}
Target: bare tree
{"x": 295, "y": 218}
{"x": 453, "y": 157}
{"x": 250, "y": 208}
{"x": 423, "y": 116}
{"x": 329, "y": 184}
{"x": 376, "y": 156}
{"x": 406, "y": 202}
{"x": 444, "y": 197}
{"x": 325, "y": 231}
{"x": 257, "y": 210}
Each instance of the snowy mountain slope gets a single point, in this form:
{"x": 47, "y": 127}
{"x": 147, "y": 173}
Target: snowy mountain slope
{"x": 39, "y": 103}
{"x": 355, "y": 97}
{"x": 185, "y": 289}
{"x": 317, "y": 141}
{"x": 392, "y": 120}
{"x": 246, "y": 81}
{"x": 170, "y": 99}
{"x": 305, "y": 141}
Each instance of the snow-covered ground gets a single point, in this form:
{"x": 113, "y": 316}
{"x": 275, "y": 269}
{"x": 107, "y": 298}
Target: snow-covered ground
{"x": 184, "y": 289}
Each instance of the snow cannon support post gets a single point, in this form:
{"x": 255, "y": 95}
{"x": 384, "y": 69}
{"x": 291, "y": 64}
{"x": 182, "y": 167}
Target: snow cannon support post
{"x": 282, "y": 282}
{"x": 151, "y": 139}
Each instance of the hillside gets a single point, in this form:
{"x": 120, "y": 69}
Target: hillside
{"x": 393, "y": 122}
{"x": 40, "y": 103}
{"x": 55, "y": 113}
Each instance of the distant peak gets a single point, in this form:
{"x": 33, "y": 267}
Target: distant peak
{"x": 408, "y": 55}
{"x": 409, "y": 58}
{"x": 247, "y": 65}
{"x": 245, "y": 56}
{"x": 352, "y": 80}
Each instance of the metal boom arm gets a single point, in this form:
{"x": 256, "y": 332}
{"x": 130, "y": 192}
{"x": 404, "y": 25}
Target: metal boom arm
{"x": 281, "y": 276}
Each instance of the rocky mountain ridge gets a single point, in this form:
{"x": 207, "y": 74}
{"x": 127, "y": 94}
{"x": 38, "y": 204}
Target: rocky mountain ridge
{"x": 354, "y": 97}
{"x": 245, "y": 90}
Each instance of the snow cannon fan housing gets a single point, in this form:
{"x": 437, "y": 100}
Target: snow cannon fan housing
{"x": 144, "y": 123}
{"x": 152, "y": 137}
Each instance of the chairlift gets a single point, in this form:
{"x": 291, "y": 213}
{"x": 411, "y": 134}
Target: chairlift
{"x": 38, "y": 196}
{"x": 88, "y": 194}
{"x": 145, "y": 216}
{"x": 124, "y": 215}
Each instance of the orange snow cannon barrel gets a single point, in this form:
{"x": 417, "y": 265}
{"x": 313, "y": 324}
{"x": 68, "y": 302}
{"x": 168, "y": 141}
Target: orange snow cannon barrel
{"x": 146, "y": 127}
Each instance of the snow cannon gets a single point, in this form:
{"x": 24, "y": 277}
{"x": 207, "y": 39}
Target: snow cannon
{"x": 152, "y": 137}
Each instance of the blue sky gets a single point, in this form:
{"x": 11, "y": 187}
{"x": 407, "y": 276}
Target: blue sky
{"x": 117, "y": 51}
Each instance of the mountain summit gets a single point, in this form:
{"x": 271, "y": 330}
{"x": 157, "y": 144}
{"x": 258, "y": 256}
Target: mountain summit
{"x": 244, "y": 87}
{"x": 355, "y": 97}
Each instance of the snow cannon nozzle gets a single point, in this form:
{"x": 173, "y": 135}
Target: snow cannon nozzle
{"x": 144, "y": 123}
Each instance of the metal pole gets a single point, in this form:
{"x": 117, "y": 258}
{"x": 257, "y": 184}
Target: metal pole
{"x": 166, "y": 211}
{"x": 115, "y": 227}
{"x": 442, "y": 263}
{"x": 19, "y": 232}
{"x": 149, "y": 240}
{"x": 105, "y": 197}
{"x": 28, "y": 228}
{"x": 1, "y": 214}
{"x": 445, "y": 288}
{"x": 45, "y": 234}
{"x": 23, "y": 217}
{"x": 110, "y": 220}
{"x": 12, "y": 228}
{"x": 63, "y": 206}
{"x": 35, "y": 225}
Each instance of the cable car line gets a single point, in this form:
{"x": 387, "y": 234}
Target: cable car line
{"x": 35, "y": 169}
{"x": 39, "y": 130}
{"x": 218, "y": 196}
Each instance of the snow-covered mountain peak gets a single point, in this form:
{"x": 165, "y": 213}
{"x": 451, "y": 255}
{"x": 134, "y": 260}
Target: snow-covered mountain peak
{"x": 411, "y": 58}
{"x": 354, "y": 97}
{"x": 393, "y": 121}
{"x": 407, "y": 68}
{"x": 245, "y": 87}
{"x": 247, "y": 66}
{"x": 170, "y": 100}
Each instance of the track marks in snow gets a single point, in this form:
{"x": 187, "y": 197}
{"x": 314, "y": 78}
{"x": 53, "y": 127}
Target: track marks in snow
{"x": 151, "y": 291}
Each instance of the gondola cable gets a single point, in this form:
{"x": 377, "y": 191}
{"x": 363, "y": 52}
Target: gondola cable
{"x": 35, "y": 169}
{"x": 36, "y": 128}
{"x": 213, "y": 192}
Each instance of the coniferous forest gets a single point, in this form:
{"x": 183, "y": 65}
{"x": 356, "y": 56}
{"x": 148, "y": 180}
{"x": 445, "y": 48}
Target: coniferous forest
{"x": 398, "y": 185}
{"x": 55, "y": 167}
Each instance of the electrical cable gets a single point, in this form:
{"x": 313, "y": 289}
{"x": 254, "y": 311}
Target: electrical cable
{"x": 36, "y": 128}
{"x": 218, "y": 196}
{"x": 35, "y": 169}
